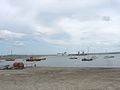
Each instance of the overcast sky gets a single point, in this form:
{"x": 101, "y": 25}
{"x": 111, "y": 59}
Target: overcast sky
{"x": 51, "y": 26}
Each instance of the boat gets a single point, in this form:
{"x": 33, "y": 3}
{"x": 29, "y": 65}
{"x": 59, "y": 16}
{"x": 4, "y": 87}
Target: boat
{"x": 31, "y": 59}
{"x": 87, "y": 59}
{"x": 18, "y": 65}
{"x": 35, "y": 59}
{"x": 10, "y": 59}
{"x": 107, "y": 57}
{"x": 73, "y": 58}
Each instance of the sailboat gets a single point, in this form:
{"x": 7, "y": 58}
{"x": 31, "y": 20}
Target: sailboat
{"x": 87, "y": 59}
{"x": 11, "y": 57}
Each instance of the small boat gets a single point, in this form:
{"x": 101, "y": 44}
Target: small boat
{"x": 73, "y": 58}
{"x": 35, "y": 59}
{"x": 87, "y": 59}
{"x": 10, "y": 59}
{"x": 107, "y": 57}
{"x": 18, "y": 65}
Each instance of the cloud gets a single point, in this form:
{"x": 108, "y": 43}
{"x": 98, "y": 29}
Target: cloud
{"x": 56, "y": 5}
{"x": 62, "y": 22}
{"x": 28, "y": 10}
{"x": 93, "y": 32}
{"x": 7, "y": 11}
{"x": 51, "y": 35}
{"x": 6, "y": 34}
{"x": 18, "y": 44}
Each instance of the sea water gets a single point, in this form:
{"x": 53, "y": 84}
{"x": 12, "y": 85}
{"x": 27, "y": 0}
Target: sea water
{"x": 65, "y": 61}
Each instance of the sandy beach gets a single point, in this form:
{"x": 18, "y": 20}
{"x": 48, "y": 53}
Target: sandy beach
{"x": 45, "y": 78}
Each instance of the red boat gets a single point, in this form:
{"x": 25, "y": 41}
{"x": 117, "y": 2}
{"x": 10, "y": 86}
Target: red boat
{"x": 31, "y": 59}
{"x": 18, "y": 65}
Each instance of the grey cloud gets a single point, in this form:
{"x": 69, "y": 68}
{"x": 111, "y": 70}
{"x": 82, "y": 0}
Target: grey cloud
{"x": 61, "y": 36}
{"x": 7, "y": 34}
{"x": 82, "y": 15}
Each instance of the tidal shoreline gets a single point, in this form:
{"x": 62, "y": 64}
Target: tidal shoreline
{"x": 56, "y": 78}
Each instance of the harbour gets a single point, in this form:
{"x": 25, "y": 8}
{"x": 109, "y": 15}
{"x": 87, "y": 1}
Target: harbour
{"x": 72, "y": 60}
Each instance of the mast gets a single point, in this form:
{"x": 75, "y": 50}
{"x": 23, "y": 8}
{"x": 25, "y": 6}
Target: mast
{"x": 11, "y": 52}
{"x": 88, "y": 52}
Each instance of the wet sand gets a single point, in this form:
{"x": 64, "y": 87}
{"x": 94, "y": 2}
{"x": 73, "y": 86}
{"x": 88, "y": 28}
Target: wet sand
{"x": 44, "y": 78}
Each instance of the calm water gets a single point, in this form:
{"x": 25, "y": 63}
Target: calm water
{"x": 64, "y": 61}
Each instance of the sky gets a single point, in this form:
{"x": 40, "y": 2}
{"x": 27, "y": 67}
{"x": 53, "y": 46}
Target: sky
{"x": 52, "y": 26}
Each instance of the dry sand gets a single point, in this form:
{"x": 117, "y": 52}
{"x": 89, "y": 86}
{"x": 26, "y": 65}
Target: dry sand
{"x": 60, "y": 79}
